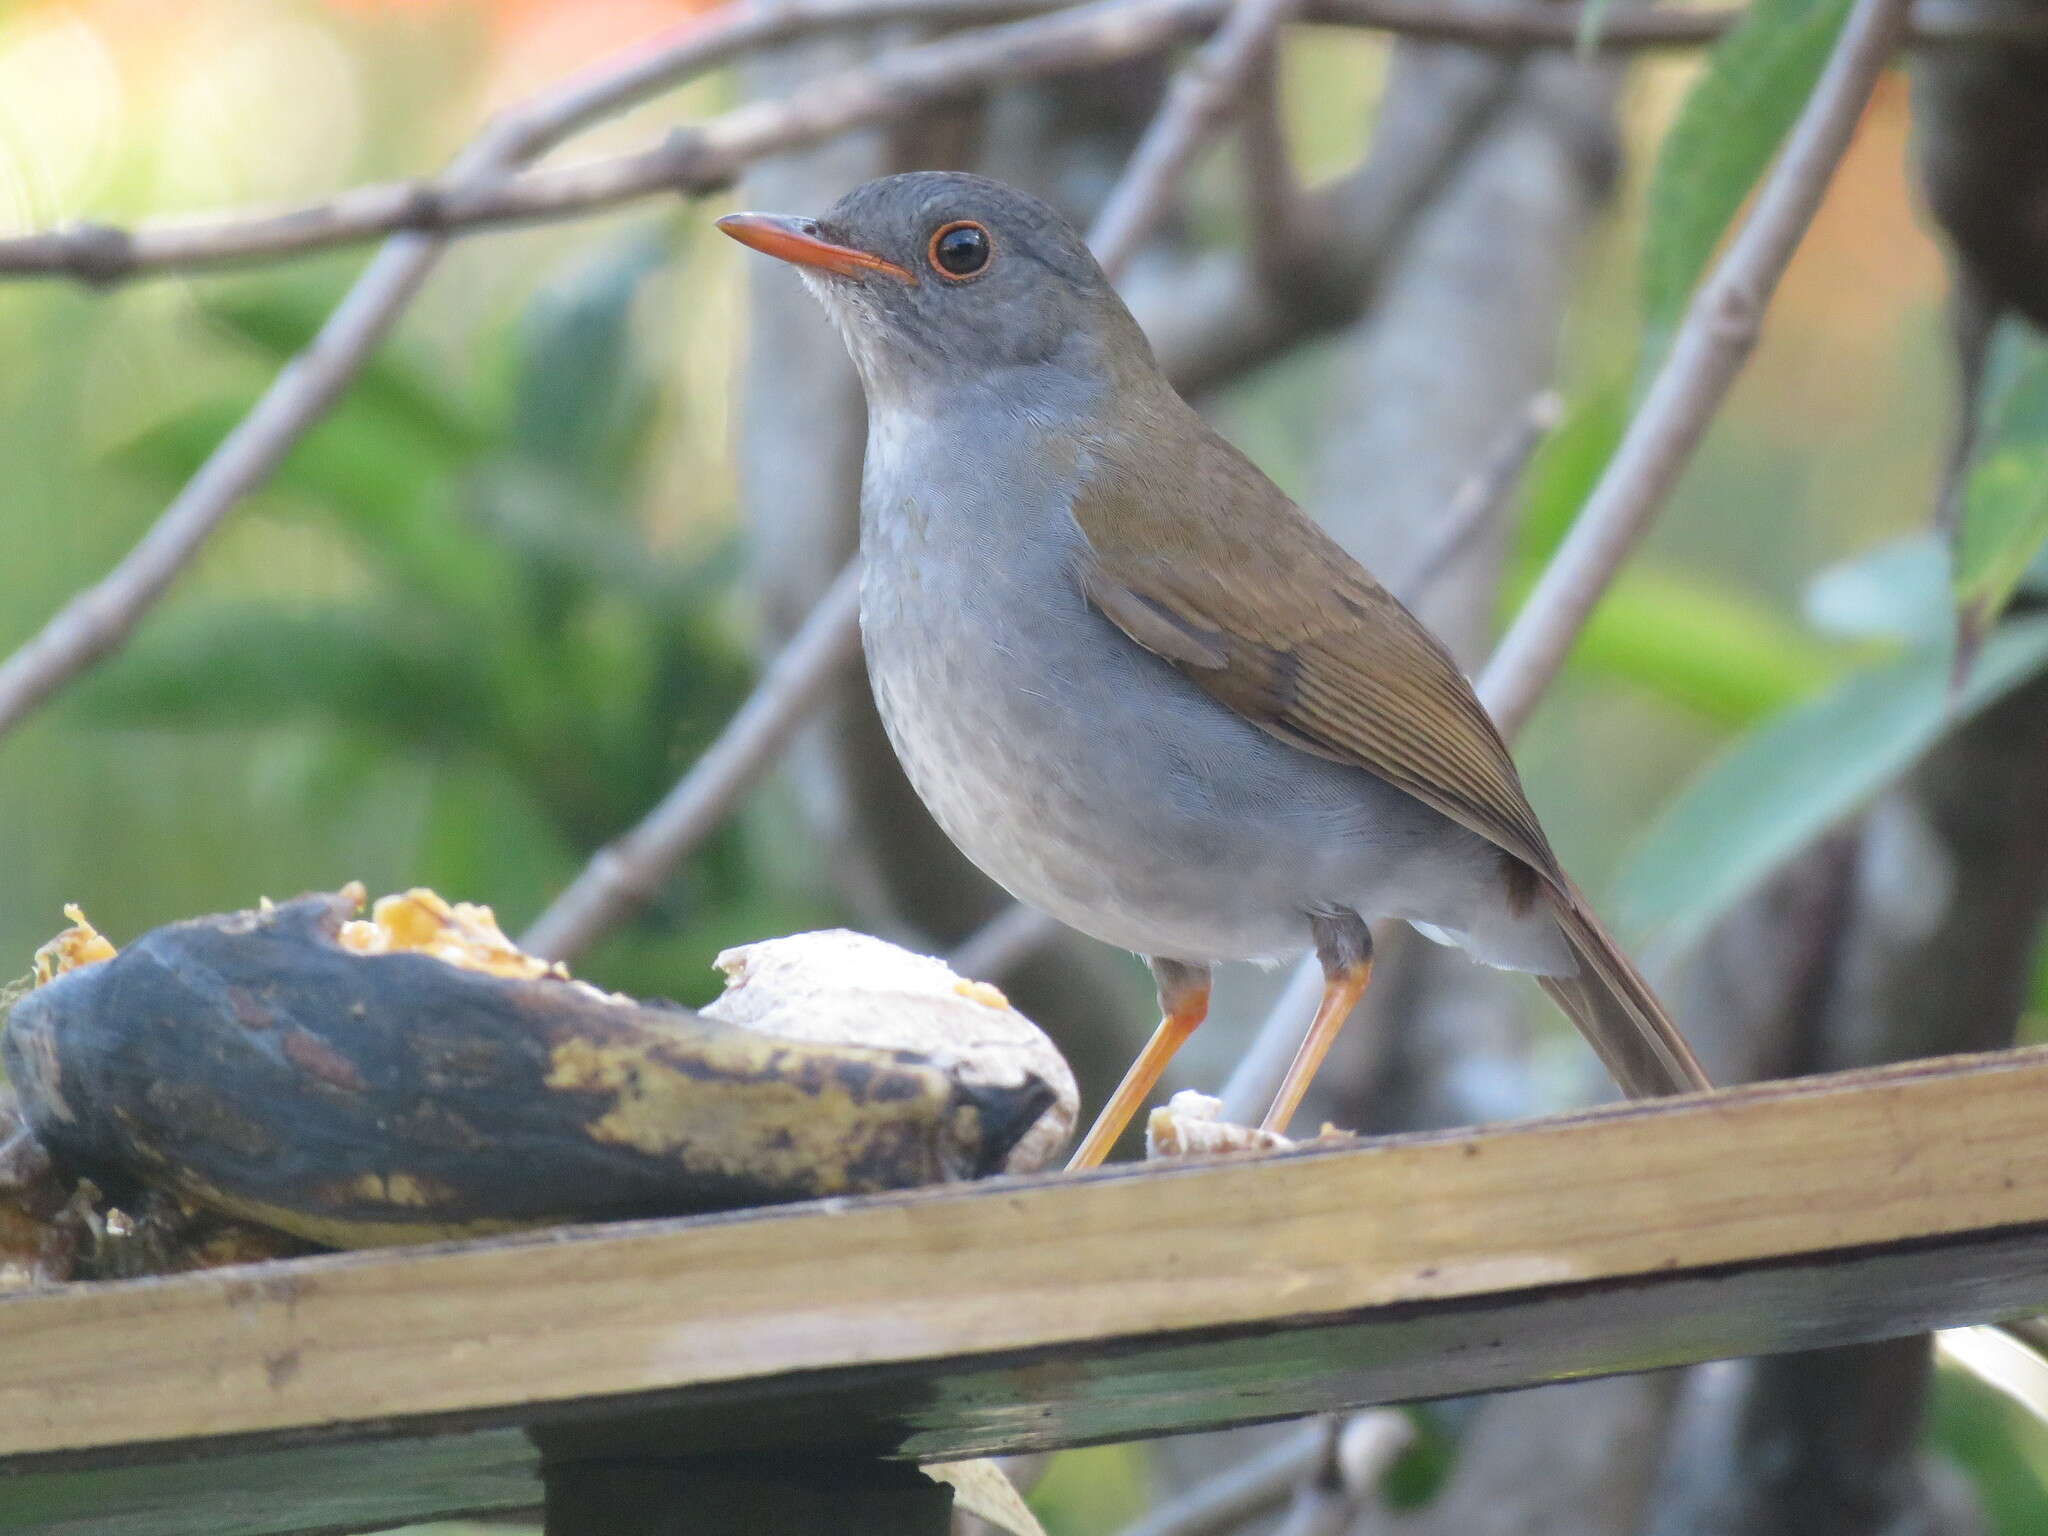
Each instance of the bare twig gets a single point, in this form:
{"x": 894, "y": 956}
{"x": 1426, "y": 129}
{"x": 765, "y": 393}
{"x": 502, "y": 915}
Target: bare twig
{"x": 1283, "y": 228}
{"x": 1012, "y": 936}
{"x": 1719, "y": 332}
{"x": 99, "y": 253}
{"x": 1480, "y": 501}
{"x": 1201, "y": 100}
{"x": 1239, "y": 1493}
{"x": 1075, "y": 37}
{"x": 1348, "y": 1454}
{"x": 1214, "y": 317}
{"x": 627, "y": 873}
{"x": 98, "y": 620}
{"x": 901, "y": 82}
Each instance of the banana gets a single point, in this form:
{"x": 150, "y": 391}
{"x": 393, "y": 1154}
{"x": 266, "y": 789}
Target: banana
{"x": 254, "y": 1065}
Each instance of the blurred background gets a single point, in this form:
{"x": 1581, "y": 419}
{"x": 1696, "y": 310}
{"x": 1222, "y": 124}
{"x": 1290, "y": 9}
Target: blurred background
{"x": 511, "y": 587}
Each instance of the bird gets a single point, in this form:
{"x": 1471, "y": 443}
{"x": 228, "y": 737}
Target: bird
{"x": 1136, "y": 684}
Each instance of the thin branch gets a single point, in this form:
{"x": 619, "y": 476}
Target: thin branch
{"x": 99, "y": 620}
{"x": 1202, "y": 98}
{"x": 692, "y": 160}
{"x": 1719, "y": 332}
{"x": 1331, "y": 1502}
{"x": 707, "y": 157}
{"x": 1213, "y": 317}
{"x": 1283, "y": 228}
{"x": 1348, "y": 1453}
{"x": 1002, "y": 943}
{"x": 626, "y": 874}
{"x": 1239, "y": 1493}
{"x": 1483, "y": 497}
{"x": 96, "y": 621}
{"x": 903, "y": 82}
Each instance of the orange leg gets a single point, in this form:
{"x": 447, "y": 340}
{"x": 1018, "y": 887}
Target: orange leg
{"x": 1344, "y": 945}
{"x": 1184, "y": 1003}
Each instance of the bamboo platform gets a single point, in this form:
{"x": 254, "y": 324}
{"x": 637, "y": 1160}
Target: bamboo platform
{"x": 365, "y": 1390}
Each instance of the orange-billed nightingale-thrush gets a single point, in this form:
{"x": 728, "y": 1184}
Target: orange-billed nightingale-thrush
{"x": 1132, "y": 680}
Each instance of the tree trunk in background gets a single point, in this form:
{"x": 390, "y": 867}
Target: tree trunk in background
{"x": 1214, "y": 317}
{"x": 799, "y": 460}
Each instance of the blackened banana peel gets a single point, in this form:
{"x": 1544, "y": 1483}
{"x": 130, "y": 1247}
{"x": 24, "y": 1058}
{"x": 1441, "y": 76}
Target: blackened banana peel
{"x": 250, "y": 1064}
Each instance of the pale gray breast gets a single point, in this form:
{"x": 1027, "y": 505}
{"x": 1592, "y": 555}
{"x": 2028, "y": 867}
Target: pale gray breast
{"x": 1084, "y": 774}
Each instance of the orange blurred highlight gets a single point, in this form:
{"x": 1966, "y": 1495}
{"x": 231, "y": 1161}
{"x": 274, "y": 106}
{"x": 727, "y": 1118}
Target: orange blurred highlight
{"x": 1867, "y": 266}
{"x": 539, "y": 42}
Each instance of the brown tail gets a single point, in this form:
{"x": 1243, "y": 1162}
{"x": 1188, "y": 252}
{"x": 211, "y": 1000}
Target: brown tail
{"x": 1616, "y": 1010}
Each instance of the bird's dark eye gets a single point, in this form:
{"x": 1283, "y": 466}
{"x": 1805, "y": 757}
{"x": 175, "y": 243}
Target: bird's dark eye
{"x": 960, "y": 249}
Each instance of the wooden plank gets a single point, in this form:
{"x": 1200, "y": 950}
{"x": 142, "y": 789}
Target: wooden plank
{"x": 357, "y": 1486}
{"x": 1063, "y": 1310}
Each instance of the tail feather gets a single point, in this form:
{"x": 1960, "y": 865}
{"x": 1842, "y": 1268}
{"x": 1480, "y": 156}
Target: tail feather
{"x": 1616, "y": 1010}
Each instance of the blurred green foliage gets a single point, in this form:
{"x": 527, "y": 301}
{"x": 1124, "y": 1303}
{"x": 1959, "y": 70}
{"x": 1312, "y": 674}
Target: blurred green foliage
{"x": 1755, "y": 81}
{"x": 1093, "y": 1491}
{"x": 513, "y": 635}
{"x": 468, "y": 634}
{"x": 2004, "y": 514}
{"x": 1803, "y": 772}
{"x": 1998, "y": 1445}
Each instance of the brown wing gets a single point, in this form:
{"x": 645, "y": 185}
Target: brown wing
{"x": 1230, "y": 582}
{"x": 1200, "y": 559}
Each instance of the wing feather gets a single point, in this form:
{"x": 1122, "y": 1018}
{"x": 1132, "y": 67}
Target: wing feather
{"x": 1284, "y": 627}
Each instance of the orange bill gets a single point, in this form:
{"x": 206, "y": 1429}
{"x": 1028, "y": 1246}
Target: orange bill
{"x": 797, "y": 240}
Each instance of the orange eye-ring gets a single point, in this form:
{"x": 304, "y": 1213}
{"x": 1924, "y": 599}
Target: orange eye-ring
{"x": 960, "y": 250}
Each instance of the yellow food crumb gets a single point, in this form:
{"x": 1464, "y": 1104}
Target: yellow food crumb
{"x": 986, "y": 993}
{"x": 80, "y": 944}
{"x": 463, "y": 934}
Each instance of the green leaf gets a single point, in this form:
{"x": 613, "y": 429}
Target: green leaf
{"x": 378, "y": 482}
{"x": 2004, "y": 523}
{"x": 558, "y": 527}
{"x": 1737, "y": 113}
{"x": 279, "y": 318}
{"x": 1568, "y": 466}
{"x": 578, "y": 402}
{"x": 483, "y": 833}
{"x": 1792, "y": 779}
{"x": 1703, "y": 647}
{"x": 244, "y": 665}
{"x": 1897, "y": 591}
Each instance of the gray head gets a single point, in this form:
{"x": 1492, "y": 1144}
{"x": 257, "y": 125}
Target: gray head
{"x": 936, "y": 278}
